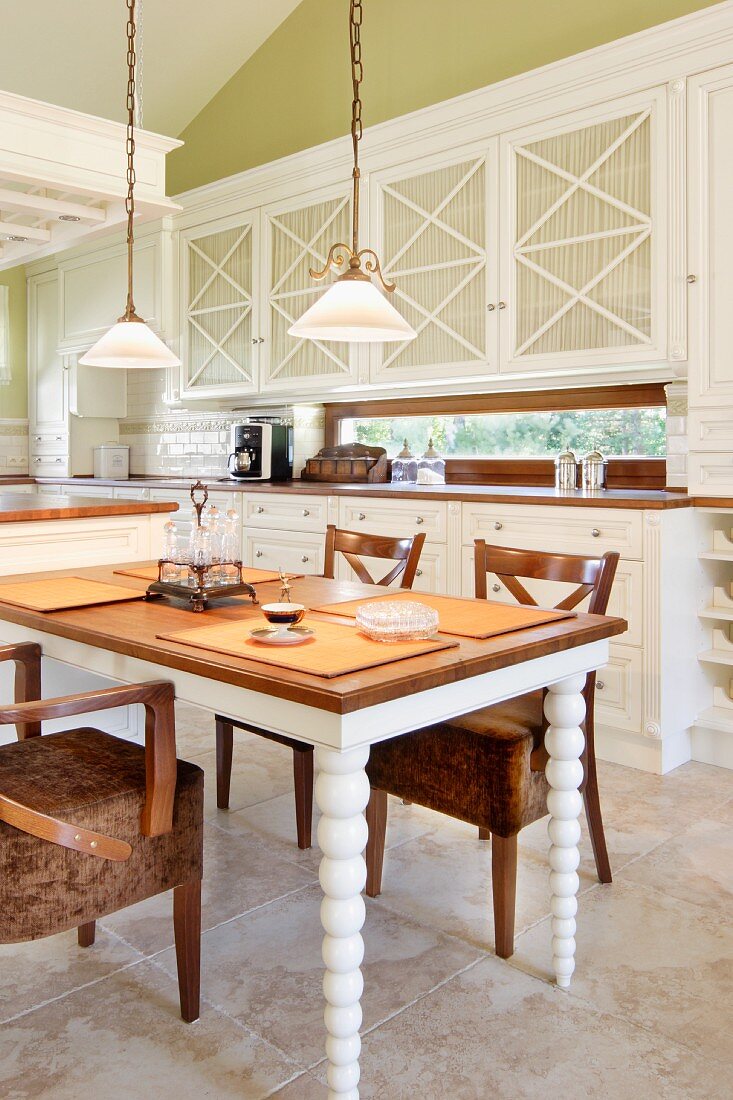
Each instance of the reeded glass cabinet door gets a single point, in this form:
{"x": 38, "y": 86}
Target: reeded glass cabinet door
{"x": 299, "y": 238}
{"x": 432, "y": 238}
{"x": 584, "y": 241}
{"x": 218, "y": 269}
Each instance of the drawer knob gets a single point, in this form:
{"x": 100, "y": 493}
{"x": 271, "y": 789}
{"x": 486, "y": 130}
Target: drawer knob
{"x": 596, "y": 532}
{"x": 260, "y": 509}
{"x": 38, "y": 438}
{"x": 496, "y": 588}
{"x": 58, "y": 461}
{"x": 59, "y": 438}
{"x": 258, "y": 553}
{"x": 491, "y": 307}
{"x": 305, "y": 558}
{"x": 502, "y": 305}
{"x": 418, "y": 573}
{"x": 600, "y": 685}
{"x": 362, "y": 515}
{"x": 306, "y": 511}
{"x": 419, "y": 519}
{"x": 498, "y": 525}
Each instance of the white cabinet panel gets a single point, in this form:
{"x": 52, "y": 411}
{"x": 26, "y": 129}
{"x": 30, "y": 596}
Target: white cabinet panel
{"x": 293, "y": 551}
{"x": 434, "y": 224}
{"x": 46, "y": 377}
{"x": 562, "y": 530}
{"x": 49, "y": 466}
{"x": 583, "y": 254}
{"x": 399, "y": 519}
{"x": 290, "y": 511}
{"x": 620, "y": 690}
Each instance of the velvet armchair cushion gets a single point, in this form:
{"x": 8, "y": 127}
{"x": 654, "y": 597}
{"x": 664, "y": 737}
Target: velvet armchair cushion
{"x": 475, "y": 768}
{"x": 93, "y": 779}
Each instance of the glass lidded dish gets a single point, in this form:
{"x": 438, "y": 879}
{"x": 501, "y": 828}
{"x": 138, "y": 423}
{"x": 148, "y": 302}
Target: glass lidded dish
{"x": 397, "y": 620}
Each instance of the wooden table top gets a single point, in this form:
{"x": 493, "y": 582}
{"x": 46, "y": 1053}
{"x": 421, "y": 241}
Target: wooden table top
{"x": 22, "y": 508}
{"x": 132, "y": 629}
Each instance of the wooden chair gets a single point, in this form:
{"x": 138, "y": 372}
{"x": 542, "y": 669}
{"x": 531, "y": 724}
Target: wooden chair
{"x": 90, "y": 824}
{"x": 487, "y": 767}
{"x": 353, "y": 545}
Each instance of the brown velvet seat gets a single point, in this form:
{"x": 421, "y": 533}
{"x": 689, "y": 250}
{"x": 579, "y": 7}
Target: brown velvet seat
{"x": 90, "y": 780}
{"x": 487, "y": 767}
{"x": 405, "y": 554}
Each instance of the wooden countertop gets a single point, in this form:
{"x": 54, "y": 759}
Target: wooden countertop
{"x": 491, "y": 494}
{"x": 132, "y": 629}
{"x": 19, "y": 508}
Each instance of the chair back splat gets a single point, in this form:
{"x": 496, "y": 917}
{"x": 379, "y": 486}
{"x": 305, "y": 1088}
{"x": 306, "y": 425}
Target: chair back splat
{"x": 354, "y": 545}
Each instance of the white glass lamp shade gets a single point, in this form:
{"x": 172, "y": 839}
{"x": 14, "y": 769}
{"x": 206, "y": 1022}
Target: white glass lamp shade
{"x": 353, "y": 311}
{"x": 130, "y": 345}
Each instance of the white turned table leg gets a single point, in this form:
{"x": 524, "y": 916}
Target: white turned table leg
{"x": 342, "y": 793}
{"x": 564, "y": 740}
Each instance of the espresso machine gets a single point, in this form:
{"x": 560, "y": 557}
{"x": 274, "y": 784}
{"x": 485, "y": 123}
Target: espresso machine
{"x": 261, "y": 451}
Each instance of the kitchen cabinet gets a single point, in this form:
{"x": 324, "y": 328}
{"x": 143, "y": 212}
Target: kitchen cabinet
{"x": 220, "y": 338}
{"x": 583, "y": 249}
{"x": 436, "y": 225}
{"x": 292, "y": 551}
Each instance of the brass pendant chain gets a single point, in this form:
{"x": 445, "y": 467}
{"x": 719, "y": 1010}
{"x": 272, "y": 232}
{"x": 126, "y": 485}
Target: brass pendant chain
{"x": 130, "y": 150}
{"x": 338, "y": 253}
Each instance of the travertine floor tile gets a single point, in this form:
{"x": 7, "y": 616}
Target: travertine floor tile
{"x": 122, "y": 1039}
{"x": 241, "y": 872}
{"x": 194, "y": 731}
{"x": 31, "y": 973}
{"x": 491, "y": 1032}
{"x": 304, "y": 1087}
{"x": 652, "y": 959}
{"x": 696, "y": 865}
{"x": 265, "y": 969}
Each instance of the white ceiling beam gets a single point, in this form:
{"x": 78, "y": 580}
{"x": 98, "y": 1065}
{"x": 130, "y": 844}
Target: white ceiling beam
{"x": 22, "y": 203}
{"x": 29, "y": 232}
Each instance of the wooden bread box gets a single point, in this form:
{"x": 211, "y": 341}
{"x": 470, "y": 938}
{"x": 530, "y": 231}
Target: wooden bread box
{"x": 349, "y": 462}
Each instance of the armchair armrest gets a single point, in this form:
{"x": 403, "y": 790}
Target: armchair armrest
{"x": 27, "y": 657}
{"x": 157, "y": 697}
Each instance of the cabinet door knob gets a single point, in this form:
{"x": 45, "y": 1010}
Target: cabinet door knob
{"x": 362, "y": 515}
{"x": 59, "y": 438}
{"x": 419, "y": 519}
{"x": 596, "y": 532}
{"x": 305, "y": 558}
{"x": 260, "y": 509}
{"x": 418, "y": 573}
{"x": 258, "y": 553}
{"x": 502, "y": 305}
{"x": 600, "y": 685}
{"x": 258, "y": 339}
{"x": 37, "y": 438}
{"x": 691, "y": 279}
{"x": 58, "y": 461}
{"x": 306, "y": 511}
{"x": 39, "y": 460}
{"x": 491, "y": 307}
{"x": 496, "y": 588}
{"x": 498, "y": 525}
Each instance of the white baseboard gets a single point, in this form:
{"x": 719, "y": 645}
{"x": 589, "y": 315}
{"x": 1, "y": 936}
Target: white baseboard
{"x": 712, "y": 747}
{"x": 648, "y": 754}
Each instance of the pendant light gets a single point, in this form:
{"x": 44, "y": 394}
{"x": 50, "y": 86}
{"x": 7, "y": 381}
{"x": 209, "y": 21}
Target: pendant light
{"x": 130, "y": 343}
{"x": 353, "y": 309}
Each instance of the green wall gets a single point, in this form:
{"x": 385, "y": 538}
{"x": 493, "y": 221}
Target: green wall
{"x": 14, "y": 398}
{"x": 294, "y": 92}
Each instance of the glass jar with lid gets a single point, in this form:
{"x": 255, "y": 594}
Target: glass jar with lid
{"x": 431, "y": 467}
{"x": 404, "y": 465}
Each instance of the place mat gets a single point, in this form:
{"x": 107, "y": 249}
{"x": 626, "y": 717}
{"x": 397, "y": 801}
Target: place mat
{"x": 249, "y": 576}
{"x": 464, "y": 617}
{"x": 334, "y": 650}
{"x": 62, "y": 593}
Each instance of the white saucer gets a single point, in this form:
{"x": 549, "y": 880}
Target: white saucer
{"x": 294, "y": 635}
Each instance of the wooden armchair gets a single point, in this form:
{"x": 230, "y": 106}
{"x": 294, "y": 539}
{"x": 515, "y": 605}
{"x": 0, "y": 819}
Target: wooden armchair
{"x": 90, "y": 823}
{"x": 405, "y": 553}
{"x": 487, "y": 767}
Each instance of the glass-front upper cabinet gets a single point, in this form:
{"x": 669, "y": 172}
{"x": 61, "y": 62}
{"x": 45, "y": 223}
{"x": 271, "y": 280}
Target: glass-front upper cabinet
{"x": 220, "y": 337}
{"x": 583, "y": 257}
{"x": 432, "y": 225}
{"x": 298, "y": 237}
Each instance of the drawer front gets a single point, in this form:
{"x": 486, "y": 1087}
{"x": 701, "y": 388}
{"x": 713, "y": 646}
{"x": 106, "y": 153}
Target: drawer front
{"x": 292, "y": 551}
{"x": 431, "y": 572}
{"x": 562, "y": 530}
{"x": 286, "y": 511}
{"x": 49, "y": 466}
{"x": 399, "y": 519}
{"x": 87, "y": 491}
{"x": 184, "y": 517}
{"x": 710, "y": 472}
{"x": 619, "y": 690}
{"x": 626, "y": 595}
{"x": 710, "y": 429}
{"x": 131, "y": 494}
{"x": 49, "y": 443}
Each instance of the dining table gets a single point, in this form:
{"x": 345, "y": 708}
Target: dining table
{"x": 342, "y": 716}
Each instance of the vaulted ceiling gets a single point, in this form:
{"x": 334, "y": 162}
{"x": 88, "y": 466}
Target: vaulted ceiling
{"x": 72, "y": 52}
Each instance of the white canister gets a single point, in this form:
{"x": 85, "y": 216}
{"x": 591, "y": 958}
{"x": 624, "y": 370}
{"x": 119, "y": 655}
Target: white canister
{"x": 112, "y": 460}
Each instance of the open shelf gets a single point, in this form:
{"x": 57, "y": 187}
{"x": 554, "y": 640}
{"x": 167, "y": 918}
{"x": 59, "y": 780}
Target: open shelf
{"x": 717, "y": 718}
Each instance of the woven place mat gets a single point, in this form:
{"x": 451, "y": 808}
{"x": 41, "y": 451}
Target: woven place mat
{"x": 463, "y": 617}
{"x": 334, "y": 650}
{"x": 62, "y": 593}
{"x": 249, "y": 576}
